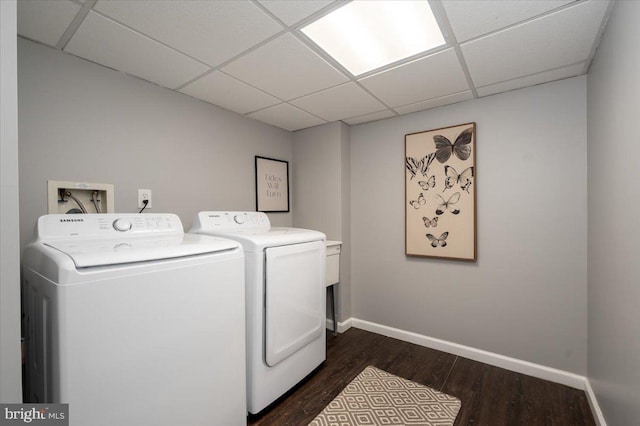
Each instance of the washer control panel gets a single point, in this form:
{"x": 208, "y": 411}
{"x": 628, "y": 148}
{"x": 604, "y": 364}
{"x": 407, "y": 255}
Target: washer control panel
{"x": 223, "y": 221}
{"x": 107, "y": 225}
{"x": 122, "y": 225}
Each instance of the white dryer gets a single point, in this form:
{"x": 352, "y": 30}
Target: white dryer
{"x": 133, "y": 322}
{"x": 285, "y": 279}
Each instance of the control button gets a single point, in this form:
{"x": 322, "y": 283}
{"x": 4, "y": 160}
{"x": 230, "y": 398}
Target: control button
{"x": 238, "y": 219}
{"x": 122, "y": 225}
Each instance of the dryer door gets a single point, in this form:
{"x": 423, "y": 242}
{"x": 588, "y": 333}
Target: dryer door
{"x": 294, "y": 298}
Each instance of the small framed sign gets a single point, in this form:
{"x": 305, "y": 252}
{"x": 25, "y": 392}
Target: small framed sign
{"x": 272, "y": 185}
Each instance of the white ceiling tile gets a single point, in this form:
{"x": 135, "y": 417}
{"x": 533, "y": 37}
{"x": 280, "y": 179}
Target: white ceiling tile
{"x": 227, "y": 92}
{"x": 346, "y": 100}
{"x": 210, "y": 31}
{"x": 101, "y": 40}
{"x": 285, "y": 68}
{"x": 531, "y": 80}
{"x": 45, "y": 20}
{"x": 431, "y": 77}
{"x": 471, "y": 18}
{"x": 286, "y": 117}
{"x": 291, "y": 12}
{"x": 367, "y": 118}
{"x": 433, "y": 103}
{"x": 171, "y": 43}
{"x": 561, "y": 38}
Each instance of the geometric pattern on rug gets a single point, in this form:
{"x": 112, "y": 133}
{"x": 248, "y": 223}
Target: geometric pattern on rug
{"x": 376, "y": 397}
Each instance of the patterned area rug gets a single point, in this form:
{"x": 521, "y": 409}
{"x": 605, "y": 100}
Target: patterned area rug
{"x": 376, "y": 397}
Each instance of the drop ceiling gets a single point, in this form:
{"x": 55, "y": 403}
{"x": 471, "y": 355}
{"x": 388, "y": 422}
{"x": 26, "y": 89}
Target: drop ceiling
{"x": 252, "y": 58}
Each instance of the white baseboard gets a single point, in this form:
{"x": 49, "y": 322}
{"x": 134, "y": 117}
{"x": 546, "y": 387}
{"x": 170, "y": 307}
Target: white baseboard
{"x": 342, "y": 326}
{"x": 593, "y": 403}
{"x": 512, "y": 364}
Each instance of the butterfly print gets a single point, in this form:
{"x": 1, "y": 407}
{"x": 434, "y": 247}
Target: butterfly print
{"x": 414, "y": 166}
{"x": 430, "y": 222}
{"x": 426, "y": 184}
{"x": 460, "y": 148}
{"x": 435, "y": 242}
{"x": 416, "y": 204}
{"x": 448, "y": 204}
{"x": 464, "y": 178}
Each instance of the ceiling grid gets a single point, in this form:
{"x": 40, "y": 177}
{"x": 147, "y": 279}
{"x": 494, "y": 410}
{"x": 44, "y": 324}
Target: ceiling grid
{"x": 252, "y": 57}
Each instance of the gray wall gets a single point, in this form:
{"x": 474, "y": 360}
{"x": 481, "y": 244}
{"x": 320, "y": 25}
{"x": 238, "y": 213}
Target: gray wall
{"x": 318, "y": 178}
{"x": 321, "y": 193}
{"x": 614, "y": 208}
{"x": 526, "y": 296}
{"x": 10, "y": 370}
{"x": 82, "y": 122}
{"x": 345, "y": 290}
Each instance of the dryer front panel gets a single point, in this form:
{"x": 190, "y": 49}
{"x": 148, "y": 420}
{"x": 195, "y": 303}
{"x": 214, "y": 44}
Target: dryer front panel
{"x": 294, "y": 298}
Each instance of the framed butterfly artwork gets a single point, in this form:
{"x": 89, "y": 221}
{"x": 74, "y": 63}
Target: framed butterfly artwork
{"x": 440, "y": 193}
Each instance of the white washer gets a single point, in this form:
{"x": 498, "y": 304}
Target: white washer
{"x": 285, "y": 278}
{"x": 133, "y": 322}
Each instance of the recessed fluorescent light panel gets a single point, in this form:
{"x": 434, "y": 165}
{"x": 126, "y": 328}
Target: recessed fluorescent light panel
{"x": 364, "y": 35}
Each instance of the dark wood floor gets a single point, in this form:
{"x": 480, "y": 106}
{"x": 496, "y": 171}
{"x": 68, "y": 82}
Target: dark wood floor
{"x": 490, "y": 395}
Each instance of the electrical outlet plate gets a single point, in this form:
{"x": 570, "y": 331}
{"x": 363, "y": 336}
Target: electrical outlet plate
{"x": 144, "y": 194}
{"x": 83, "y": 193}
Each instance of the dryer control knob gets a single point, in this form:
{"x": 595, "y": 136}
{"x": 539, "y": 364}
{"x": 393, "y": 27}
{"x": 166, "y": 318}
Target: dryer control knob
{"x": 238, "y": 219}
{"x": 122, "y": 225}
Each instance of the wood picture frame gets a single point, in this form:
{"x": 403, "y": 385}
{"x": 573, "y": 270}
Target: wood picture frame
{"x": 272, "y": 185}
{"x": 440, "y": 193}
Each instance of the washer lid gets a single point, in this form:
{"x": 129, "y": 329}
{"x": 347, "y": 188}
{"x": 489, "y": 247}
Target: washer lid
{"x": 102, "y": 252}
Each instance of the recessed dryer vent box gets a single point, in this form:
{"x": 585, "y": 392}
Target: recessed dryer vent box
{"x": 76, "y": 197}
